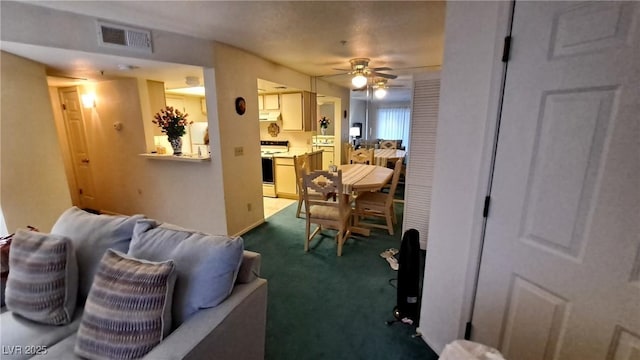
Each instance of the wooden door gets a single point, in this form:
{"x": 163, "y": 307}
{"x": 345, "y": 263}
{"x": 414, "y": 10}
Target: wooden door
{"x": 77, "y": 142}
{"x": 560, "y": 271}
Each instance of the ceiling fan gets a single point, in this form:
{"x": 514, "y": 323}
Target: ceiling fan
{"x": 379, "y": 87}
{"x": 362, "y": 72}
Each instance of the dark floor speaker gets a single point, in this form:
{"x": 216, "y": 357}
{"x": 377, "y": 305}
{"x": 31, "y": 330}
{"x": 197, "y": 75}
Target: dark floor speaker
{"x": 407, "y": 307}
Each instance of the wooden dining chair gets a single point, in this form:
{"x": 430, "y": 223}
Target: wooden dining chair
{"x": 389, "y": 144}
{"x": 379, "y": 204}
{"x": 326, "y": 213}
{"x": 361, "y": 156}
{"x": 302, "y": 166}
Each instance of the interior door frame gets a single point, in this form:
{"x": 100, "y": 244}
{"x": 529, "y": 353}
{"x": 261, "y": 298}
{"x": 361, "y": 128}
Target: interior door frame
{"x": 496, "y": 99}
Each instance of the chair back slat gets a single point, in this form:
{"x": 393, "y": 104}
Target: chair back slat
{"x": 388, "y": 144}
{"x": 394, "y": 181}
{"x": 362, "y": 156}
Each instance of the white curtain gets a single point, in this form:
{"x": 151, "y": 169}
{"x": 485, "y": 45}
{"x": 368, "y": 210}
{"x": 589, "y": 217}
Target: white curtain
{"x": 394, "y": 123}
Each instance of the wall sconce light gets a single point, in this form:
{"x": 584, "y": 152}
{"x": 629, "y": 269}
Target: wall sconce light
{"x": 88, "y": 101}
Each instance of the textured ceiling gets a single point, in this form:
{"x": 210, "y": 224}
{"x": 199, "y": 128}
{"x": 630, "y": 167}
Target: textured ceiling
{"x": 313, "y": 37}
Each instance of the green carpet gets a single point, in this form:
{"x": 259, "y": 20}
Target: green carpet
{"x": 321, "y": 306}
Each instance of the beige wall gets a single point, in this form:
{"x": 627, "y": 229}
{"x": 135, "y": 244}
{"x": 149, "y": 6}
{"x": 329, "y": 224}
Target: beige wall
{"x": 236, "y": 75}
{"x": 222, "y": 196}
{"x": 33, "y": 184}
{"x": 126, "y": 183}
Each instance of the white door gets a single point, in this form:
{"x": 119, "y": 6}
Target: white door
{"x": 560, "y": 271}
{"x": 74, "y": 126}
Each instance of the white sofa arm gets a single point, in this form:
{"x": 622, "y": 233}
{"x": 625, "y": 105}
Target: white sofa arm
{"x": 235, "y": 329}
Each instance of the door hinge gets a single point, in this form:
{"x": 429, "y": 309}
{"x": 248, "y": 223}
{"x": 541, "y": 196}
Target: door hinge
{"x": 506, "y": 50}
{"x": 64, "y": 107}
{"x": 487, "y": 203}
{"x": 80, "y": 191}
{"x": 467, "y": 331}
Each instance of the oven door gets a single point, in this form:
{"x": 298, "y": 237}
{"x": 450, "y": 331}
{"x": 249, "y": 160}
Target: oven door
{"x": 267, "y": 170}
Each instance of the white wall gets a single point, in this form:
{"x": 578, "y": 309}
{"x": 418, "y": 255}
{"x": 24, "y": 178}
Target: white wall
{"x": 33, "y": 184}
{"x": 468, "y": 107}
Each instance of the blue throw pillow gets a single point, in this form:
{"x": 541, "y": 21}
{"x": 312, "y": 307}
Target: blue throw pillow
{"x": 91, "y": 236}
{"x": 207, "y": 265}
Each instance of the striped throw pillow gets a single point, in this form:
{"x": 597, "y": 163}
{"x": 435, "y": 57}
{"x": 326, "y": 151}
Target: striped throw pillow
{"x": 43, "y": 282}
{"x": 128, "y": 310}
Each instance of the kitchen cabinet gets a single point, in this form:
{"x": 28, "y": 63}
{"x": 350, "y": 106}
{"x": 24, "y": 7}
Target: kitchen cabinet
{"x": 299, "y": 111}
{"x": 286, "y": 178}
{"x": 269, "y": 102}
{"x": 327, "y": 156}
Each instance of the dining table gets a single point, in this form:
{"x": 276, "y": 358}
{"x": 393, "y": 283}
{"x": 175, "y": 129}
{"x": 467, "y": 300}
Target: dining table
{"x": 382, "y": 156}
{"x": 360, "y": 178}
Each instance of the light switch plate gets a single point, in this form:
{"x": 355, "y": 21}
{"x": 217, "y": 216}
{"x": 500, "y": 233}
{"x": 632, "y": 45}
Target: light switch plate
{"x": 238, "y": 151}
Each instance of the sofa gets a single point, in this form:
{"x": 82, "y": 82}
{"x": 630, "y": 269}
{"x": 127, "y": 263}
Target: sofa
{"x": 204, "y": 297}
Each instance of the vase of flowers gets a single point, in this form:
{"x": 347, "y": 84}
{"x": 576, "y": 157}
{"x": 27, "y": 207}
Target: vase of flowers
{"x": 172, "y": 122}
{"x": 324, "y": 123}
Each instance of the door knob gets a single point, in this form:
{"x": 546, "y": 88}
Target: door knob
{"x": 85, "y": 161}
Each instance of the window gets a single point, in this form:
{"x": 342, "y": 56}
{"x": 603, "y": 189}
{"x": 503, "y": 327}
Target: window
{"x": 394, "y": 123}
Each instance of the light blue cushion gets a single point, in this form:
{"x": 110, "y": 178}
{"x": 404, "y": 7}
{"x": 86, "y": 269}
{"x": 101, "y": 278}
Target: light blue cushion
{"x": 207, "y": 265}
{"x": 18, "y": 333}
{"x": 91, "y": 236}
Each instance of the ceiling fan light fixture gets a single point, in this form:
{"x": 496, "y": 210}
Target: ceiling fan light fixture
{"x": 359, "y": 80}
{"x": 380, "y": 93}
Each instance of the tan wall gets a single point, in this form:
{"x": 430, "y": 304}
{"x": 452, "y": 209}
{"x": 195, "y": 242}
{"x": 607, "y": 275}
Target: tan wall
{"x": 236, "y": 75}
{"x": 33, "y": 184}
{"x": 210, "y": 196}
{"x": 126, "y": 183}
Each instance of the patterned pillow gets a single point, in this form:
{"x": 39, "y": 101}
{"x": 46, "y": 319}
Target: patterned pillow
{"x": 128, "y": 310}
{"x": 43, "y": 281}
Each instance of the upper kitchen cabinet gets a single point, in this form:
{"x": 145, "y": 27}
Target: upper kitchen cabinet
{"x": 298, "y": 111}
{"x": 269, "y": 102}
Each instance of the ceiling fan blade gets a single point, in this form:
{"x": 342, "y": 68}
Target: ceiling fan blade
{"x": 349, "y": 70}
{"x": 384, "y": 68}
{"x": 386, "y": 76}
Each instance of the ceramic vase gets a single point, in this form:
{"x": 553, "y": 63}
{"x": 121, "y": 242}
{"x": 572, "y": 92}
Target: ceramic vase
{"x": 323, "y": 130}
{"x": 176, "y": 144}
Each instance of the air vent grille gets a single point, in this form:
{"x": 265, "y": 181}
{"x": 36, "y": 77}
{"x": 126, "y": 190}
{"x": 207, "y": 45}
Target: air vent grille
{"x": 120, "y": 36}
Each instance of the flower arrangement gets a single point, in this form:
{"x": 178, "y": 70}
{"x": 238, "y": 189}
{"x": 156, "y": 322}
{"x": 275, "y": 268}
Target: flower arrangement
{"x": 172, "y": 122}
{"x": 324, "y": 122}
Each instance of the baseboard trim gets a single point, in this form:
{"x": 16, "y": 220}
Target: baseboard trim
{"x": 248, "y": 228}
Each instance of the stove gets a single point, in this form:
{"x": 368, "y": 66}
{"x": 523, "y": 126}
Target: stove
{"x": 267, "y": 149}
{"x": 270, "y": 147}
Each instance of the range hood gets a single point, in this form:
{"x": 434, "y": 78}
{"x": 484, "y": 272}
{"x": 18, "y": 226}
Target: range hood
{"x": 269, "y": 116}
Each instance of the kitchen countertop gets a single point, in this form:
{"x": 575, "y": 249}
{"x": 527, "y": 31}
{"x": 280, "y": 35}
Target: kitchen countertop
{"x": 292, "y": 153}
